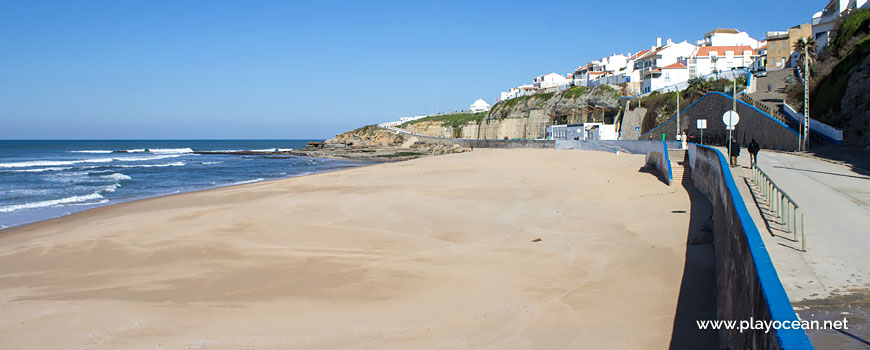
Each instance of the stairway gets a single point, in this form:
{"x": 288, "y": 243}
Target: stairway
{"x": 680, "y": 166}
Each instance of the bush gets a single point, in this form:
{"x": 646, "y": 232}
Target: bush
{"x": 454, "y": 120}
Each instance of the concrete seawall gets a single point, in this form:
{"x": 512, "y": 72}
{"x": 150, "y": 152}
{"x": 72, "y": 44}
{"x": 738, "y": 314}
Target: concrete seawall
{"x": 747, "y": 284}
{"x": 483, "y": 143}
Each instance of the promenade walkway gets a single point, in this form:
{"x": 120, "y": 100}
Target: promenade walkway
{"x": 830, "y": 280}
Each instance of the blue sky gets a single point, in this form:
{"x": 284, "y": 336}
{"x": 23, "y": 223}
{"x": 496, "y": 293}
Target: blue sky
{"x": 282, "y": 69}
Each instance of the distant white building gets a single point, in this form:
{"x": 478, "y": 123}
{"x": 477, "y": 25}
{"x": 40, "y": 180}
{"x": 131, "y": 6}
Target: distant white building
{"x": 479, "y": 106}
{"x": 607, "y": 70}
{"x": 550, "y": 80}
{"x": 823, "y": 21}
{"x": 728, "y": 37}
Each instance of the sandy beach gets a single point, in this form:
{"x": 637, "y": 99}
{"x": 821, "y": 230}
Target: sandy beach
{"x": 437, "y": 252}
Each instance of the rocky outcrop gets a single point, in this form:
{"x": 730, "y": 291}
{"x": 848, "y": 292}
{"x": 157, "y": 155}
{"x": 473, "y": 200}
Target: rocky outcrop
{"x": 370, "y": 135}
{"x": 372, "y": 143}
{"x": 527, "y": 117}
{"x": 855, "y": 107}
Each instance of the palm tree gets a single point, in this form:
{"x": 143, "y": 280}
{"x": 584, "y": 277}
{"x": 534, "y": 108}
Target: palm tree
{"x": 809, "y": 44}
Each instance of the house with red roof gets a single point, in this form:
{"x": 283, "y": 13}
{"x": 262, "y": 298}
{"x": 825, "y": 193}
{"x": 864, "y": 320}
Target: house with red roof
{"x": 650, "y": 65}
{"x": 711, "y": 59}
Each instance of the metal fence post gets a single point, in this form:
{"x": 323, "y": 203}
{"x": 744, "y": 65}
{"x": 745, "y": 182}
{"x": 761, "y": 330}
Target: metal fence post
{"x": 803, "y": 233}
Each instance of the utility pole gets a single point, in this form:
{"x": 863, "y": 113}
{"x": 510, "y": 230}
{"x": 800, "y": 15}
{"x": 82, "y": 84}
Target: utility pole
{"x": 733, "y": 109}
{"x": 806, "y": 95}
{"x": 678, "y": 113}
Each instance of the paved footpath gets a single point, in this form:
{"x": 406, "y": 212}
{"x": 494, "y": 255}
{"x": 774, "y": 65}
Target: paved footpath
{"x": 830, "y": 280}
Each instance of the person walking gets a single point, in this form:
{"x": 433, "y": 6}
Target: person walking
{"x": 735, "y": 152}
{"x": 753, "y": 149}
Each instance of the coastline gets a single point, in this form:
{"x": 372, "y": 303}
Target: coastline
{"x": 486, "y": 248}
{"x": 6, "y": 230}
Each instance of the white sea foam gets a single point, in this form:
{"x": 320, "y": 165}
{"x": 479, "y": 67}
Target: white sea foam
{"x": 170, "y": 150}
{"x": 284, "y": 149}
{"x": 151, "y": 165}
{"x": 39, "y": 170}
{"x": 137, "y": 150}
{"x": 53, "y": 163}
{"x": 116, "y": 177}
{"x": 102, "y": 201}
{"x": 50, "y": 203}
{"x": 110, "y": 188}
{"x": 246, "y": 182}
{"x": 263, "y": 150}
{"x": 210, "y": 163}
{"x": 142, "y": 159}
{"x": 92, "y": 151}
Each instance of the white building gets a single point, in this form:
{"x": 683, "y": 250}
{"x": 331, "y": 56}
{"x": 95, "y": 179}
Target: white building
{"x": 608, "y": 70}
{"x": 709, "y": 59}
{"x": 631, "y": 73}
{"x": 728, "y": 37}
{"x": 823, "y": 21}
{"x": 674, "y": 73}
{"x": 550, "y": 80}
{"x": 651, "y": 63}
{"x": 582, "y": 132}
{"x": 760, "y": 61}
{"x": 479, "y": 106}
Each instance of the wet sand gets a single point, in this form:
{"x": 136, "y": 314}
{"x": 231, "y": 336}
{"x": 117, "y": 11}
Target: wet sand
{"x": 436, "y": 252}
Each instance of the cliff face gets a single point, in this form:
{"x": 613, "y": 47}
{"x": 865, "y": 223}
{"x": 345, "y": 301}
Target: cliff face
{"x": 527, "y": 117}
{"x": 855, "y": 107}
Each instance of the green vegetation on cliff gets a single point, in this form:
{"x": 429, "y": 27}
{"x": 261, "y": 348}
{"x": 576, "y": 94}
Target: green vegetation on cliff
{"x": 830, "y": 74}
{"x": 454, "y": 120}
{"x": 365, "y": 129}
{"x": 838, "y": 80}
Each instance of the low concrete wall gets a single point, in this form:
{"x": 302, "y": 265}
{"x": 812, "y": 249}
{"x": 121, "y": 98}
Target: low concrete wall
{"x": 659, "y": 158}
{"x": 656, "y": 151}
{"x": 638, "y": 146}
{"x": 825, "y": 131}
{"x": 486, "y": 143}
{"x": 746, "y": 282}
{"x": 584, "y": 146}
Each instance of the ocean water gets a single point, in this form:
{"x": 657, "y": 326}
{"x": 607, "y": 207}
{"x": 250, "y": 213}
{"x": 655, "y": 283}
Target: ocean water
{"x": 46, "y": 179}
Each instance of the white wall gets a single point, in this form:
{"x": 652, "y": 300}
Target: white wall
{"x": 727, "y": 39}
{"x": 674, "y": 76}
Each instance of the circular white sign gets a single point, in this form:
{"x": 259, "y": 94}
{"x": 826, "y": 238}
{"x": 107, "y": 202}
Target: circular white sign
{"x": 730, "y": 118}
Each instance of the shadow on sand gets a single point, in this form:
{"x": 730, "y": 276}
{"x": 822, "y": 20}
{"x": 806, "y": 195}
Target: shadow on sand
{"x": 651, "y": 169}
{"x": 697, "y": 300}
